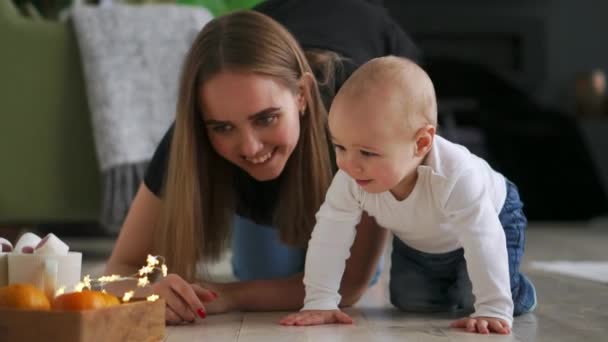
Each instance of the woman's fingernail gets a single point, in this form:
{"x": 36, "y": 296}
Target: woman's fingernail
{"x": 201, "y": 313}
{"x": 215, "y": 295}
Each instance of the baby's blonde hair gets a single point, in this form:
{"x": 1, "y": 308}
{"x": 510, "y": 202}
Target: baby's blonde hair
{"x": 402, "y": 83}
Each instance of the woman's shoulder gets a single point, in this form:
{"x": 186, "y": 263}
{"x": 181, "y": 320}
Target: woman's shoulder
{"x": 157, "y": 168}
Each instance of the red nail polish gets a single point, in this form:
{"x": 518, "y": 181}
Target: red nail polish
{"x": 215, "y": 295}
{"x": 201, "y": 313}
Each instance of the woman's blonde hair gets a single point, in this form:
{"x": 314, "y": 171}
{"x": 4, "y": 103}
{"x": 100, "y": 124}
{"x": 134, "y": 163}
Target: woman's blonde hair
{"x": 199, "y": 191}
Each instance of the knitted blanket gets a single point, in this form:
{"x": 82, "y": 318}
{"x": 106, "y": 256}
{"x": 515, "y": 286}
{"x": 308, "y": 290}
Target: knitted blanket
{"x": 131, "y": 58}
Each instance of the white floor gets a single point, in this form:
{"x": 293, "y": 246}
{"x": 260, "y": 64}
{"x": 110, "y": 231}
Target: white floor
{"x": 570, "y": 308}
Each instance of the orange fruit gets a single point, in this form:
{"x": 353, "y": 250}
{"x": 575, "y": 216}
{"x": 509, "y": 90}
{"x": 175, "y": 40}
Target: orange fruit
{"x": 111, "y": 300}
{"x": 23, "y": 296}
{"x": 85, "y": 300}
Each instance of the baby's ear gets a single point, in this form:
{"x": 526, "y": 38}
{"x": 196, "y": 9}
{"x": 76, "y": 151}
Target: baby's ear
{"x": 424, "y": 140}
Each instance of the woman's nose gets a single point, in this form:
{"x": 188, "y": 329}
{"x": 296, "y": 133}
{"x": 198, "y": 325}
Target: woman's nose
{"x": 250, "y": 144}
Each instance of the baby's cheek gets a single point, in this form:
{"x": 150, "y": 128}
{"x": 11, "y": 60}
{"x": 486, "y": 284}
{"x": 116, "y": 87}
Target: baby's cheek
{"x": 388, "y": 176}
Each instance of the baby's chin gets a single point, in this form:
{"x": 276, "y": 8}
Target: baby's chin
{"x": 371, "y": 189}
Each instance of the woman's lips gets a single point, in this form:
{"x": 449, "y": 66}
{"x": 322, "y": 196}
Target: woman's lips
{"x": 262, "y": 159}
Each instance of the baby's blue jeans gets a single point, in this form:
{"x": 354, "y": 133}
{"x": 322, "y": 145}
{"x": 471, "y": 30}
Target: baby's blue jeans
{"x": 257, "y": 253}
{"x": 423, "y": 282}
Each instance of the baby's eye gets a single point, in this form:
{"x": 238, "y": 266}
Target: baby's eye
{"x": 339, "y": 147}
{"x": 367, "y": 154}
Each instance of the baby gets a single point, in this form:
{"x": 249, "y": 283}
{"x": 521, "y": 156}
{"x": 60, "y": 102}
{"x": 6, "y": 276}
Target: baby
{"x": 459, "y": 226}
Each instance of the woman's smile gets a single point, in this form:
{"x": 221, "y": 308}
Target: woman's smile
{"x": 261, "y": 159}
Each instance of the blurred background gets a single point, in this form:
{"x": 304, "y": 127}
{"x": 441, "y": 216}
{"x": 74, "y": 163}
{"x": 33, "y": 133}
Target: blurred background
{"x": 87, "y": 90}
{"x": 520, "y": 83}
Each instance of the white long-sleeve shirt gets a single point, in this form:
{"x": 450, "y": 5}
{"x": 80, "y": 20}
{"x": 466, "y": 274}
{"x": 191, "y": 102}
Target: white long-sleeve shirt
{"x": 455, "y": 203}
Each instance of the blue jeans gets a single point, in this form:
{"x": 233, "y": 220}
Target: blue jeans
{"x": 424, "y": 282}
{"x": 258, "y": 253}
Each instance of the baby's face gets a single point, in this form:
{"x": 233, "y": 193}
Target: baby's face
{"x": 372, "y": 142}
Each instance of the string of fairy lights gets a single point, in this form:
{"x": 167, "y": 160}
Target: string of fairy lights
{"x": 153, "y": 264}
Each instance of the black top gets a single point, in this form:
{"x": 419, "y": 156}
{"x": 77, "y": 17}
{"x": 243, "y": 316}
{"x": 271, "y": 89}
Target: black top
{"x": 357, "y": 29}
{"x": 255, "y": 200}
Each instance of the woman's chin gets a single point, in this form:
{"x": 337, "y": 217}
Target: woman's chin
{"x": 265, "y": 175}
{"x": 266, "y": 172}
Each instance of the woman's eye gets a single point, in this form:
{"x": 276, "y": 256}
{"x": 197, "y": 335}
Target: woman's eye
{"x": 222, "y": 128}
{"x": 339, "y": 147}
{"x": 367, "y": 154}
{"x": 267, "y": 120}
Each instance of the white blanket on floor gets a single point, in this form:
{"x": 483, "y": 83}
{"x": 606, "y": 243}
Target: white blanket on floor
{"x": 592, "y": 270}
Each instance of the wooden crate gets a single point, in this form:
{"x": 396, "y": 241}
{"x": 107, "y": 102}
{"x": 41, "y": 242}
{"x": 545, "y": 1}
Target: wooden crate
{"x": 137, "y": 321}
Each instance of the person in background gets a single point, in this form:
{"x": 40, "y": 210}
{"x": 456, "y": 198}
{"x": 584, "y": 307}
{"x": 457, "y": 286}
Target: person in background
{"x": 340, "y": 35}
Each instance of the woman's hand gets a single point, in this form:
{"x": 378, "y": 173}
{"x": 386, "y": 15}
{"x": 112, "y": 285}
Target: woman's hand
{"x": 316, "y": 317}
{"x": 222, "y": 302}
{"x": 184, "y": 301}
{"x": 483, "y": 325}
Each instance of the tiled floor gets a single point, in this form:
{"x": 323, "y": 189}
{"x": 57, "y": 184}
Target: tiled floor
{"x": 570, "y": 309}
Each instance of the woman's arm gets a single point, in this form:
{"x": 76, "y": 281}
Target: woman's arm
{"x": 288, "y": 294}
{"x": 135, "y": 241}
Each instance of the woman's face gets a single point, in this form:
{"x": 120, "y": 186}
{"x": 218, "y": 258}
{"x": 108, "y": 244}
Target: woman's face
{"x": 252, "y": 120}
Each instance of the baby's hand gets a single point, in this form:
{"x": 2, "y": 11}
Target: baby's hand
{"x": 483, "y": 325}
{"x": 315, "y": 317}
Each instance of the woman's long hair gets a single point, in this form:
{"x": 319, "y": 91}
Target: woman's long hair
{"x": 198, "y": 193}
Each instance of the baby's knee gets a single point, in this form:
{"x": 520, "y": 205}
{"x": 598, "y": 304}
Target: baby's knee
{"x": 411, "y": 304}
{"x": 412, "y": 299}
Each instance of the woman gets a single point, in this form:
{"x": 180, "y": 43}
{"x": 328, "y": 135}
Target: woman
{"x": 333, "y": 53}
{"x": 249, "y": 138}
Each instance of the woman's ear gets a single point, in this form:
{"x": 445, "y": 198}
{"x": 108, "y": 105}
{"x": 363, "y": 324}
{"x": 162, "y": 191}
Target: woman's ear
{"x": 305, "y": 84}
{"x": 424, "y": 140}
